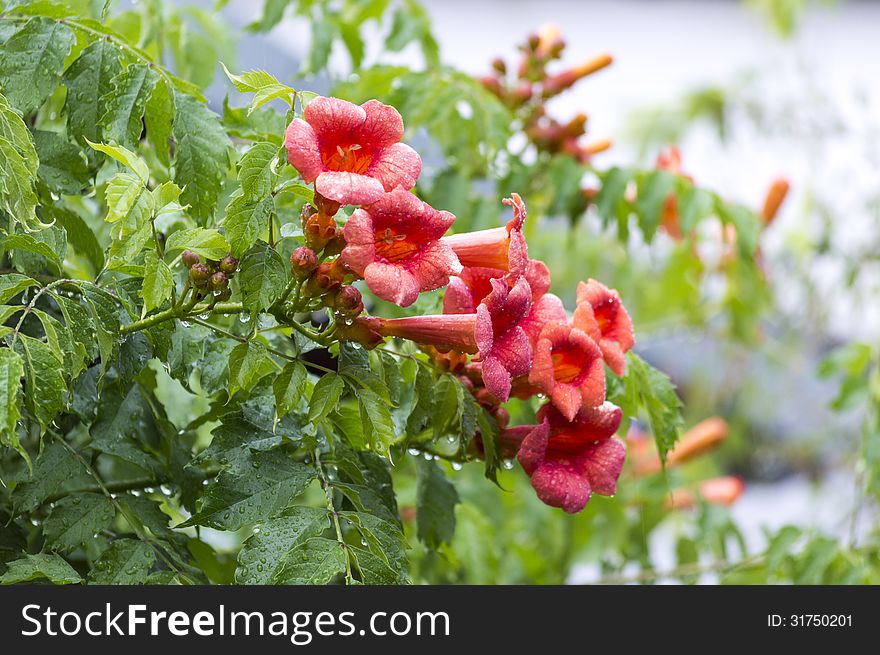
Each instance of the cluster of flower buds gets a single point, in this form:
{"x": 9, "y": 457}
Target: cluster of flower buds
{"x": 501, "y": 330}
{"x": 701, "y": 439}
{"x": 528, "y": 88}
{"x": 212, "y": 275}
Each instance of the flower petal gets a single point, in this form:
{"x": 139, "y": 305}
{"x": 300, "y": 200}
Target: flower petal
{"x": 602, "y": 464}
{"x": 349, "y": 188}
{"x": 392, "y": 283}
{"x": 458, "y": 298}
{"x": 538, "y": 276}
{"x": 547, "y": 309}
{"x": 360, "y": 244}
{"x": 432, "y": 266}
{"x": 396, "y": 165}
{"x": 533, "y": 449}
{"x": 562, "y": 485}
{"x": 383, "y": 125}
{"x": 303, "y": 151}
{"x": 496, "y": 377}
{"x": 333, "y": 116}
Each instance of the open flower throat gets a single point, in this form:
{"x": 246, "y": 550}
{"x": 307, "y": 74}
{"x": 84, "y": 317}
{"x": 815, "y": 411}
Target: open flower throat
{"x": 507, "y": 335}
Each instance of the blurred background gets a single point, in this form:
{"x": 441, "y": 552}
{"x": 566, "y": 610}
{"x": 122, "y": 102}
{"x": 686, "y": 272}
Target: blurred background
{"x": 787, "y": 354}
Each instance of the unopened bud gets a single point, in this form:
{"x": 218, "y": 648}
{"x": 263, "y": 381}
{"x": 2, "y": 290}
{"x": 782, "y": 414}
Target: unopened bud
{"x": 348, "y": 301}
{"x": 219, "y": 281}
{"x": 190, "y": 258}
{"x": 199, "y": 274}
{"x": 499, "y": 66}
{"x": 303, "y": 261}
{"x": 229, "y": 265}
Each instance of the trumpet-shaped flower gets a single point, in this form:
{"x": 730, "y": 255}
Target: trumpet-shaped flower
{"x": 601, "y": 314}
{"x": 395, "y": 245}
{"x": 568, "y": 461}
{"x": 501, "y": 248}
{"x": 493, "y": 332}
{"x": 567, "y": 366}
{"x": 352, "y": 153}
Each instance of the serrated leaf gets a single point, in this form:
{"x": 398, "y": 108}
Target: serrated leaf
{"x": 327, "y": 392}
{"x": 44, "y": 383}
{"x": 377, "y": 422}
{"x": 124, "y": 419}
{"x": 52, "y": 469}
{"x": 62, "y": 166}
{"x": 31, "y": 243}
{"x": 236, "y": 436}
{"x": 436, "y": 499}
{"x": 89, "y": 79}
{"x": 105, "y": 320}
{"x": 246, "y": 220}
{"x": 657, "y": 396}
{"x": 11, "y": 373}
{"x": 12, "y": 284}
{"x": 382, "y": 560}
{"x": 290, "y": 387}
{"x": 200, "y": 157}
{"x": 125, "y": 157}
{"x": 316, "y": 562}
{"x": 207, "y": 243}
{"x": 248, "y": 364}
{"x": 42, "y": 566}
{"x": 256, "y": 170}
{"x": 158, "y": 281}
{"x": 17, "y": 187}
{"x": 32, "y": 60}
{"x": 262, "y": 278}
{"x": 14, "y": 130}
{"x": 167, "y": 193}
{"x": 126, "y": 562}
{"x": 75, "y": 519}
{"x": 122, "y": 121}
{"x": 158, "y": 116}
{"x": 653, "y": 190}
{"x": 252, "y": 489}
{"x": 280, "y": 544}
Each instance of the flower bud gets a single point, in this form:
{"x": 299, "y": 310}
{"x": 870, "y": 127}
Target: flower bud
{"x": 199, "y": 274}
{"x": 190, "y": 258}
{"x": 348, "y": 301}
{"x": 229, "y": 265}
{"x": 303, "y": 261}
{"x": 326, "y": 206}
{"x": 499, "y": 66}
{"x": 224, "y": 295}
{"x": 219, "y": 281}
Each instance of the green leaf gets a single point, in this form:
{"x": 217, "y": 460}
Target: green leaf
{"x": 382, "y": 560}
{"x": 14, "y": 130}
{"x": 236, "y": 436}
{"x": 210, "y": 244}
{"x": 316, "y": 562}
{"x": 52, "y": 469}
{"x": 290, "y": 387}
{"x": 44, "y": 383}
{"x": 62, "y": 167}
{"x": 125, "y": 157}
{"x": 105, "y": 319}
{"x": 89, "y": 80}
{"x": 75, "y": 520}
{"x": 122, "y": 121}
{"x": 377, "y": 422}
{"x": 654, "y": 188}
{"x": 200, "y": 157}
{"x": 256, "y": 170}
{"x": 31, "y": 62}
{"x": 167, "y": 193}
{"x": 279, "y": 547}
{"x": 252, "y": 489}
{"x": 436, "y": 499}
{"x": 262, "y": 278}
{"x": 123, "y": 422}
{"x": 246, "y": 220}
{"x": 263, "y": 85}
{"x": 12, "y": 284}
{"x": 657, "y": 396}
{"x": 158, "y": 116}
{"x": 248, "y": 364}
{"x": 31, "y": 243}
{"x": 11, "y": 373}
{"x": 42, "y": 566}
{"x": 327, "y": 392}
{"x": 126, "y": 562}
{"x": 158, "y": 281}
{"x": 17, "y": 187}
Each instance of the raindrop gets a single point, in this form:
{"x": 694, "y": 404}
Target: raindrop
{"x": 428, "y": 456}
{"x": 185, "y": 324}
{"x": 244, "y": 318}
{"x": 149, "y": 490}
{"x": 135, "y": 493}
{"x": 204, "y": 483}
{"x": 165, "y": 490}
{"x": 456, "y": 466}
{"x": 507, "y": 464}
{"x": 413, "y": 451}
{"x": 204, "y": 316}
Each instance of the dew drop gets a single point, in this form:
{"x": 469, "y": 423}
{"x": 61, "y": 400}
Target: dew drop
{"x": 413, "y": 451}
{"x": 507, "y": 464}
{"x": 456, "y": 466}
{"x": 244, "y": 318}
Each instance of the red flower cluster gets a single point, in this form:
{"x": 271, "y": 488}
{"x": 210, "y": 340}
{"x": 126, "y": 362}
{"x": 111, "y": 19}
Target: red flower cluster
{"x": 500, "y": 329}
